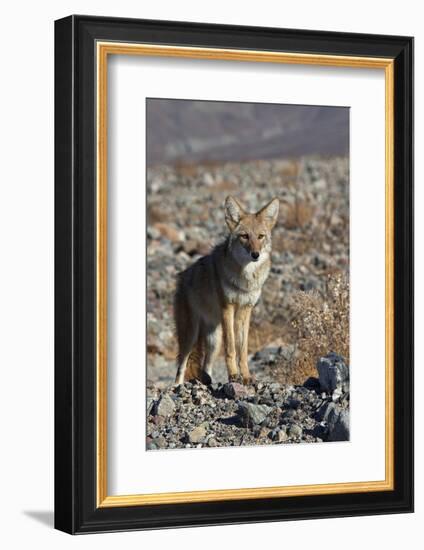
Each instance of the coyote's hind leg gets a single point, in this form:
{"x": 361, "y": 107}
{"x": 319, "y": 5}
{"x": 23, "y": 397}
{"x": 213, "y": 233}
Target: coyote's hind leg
{"x": 185, "y": 347}
{"x": 187, "y": 328}
{"x": 213, "y": 338}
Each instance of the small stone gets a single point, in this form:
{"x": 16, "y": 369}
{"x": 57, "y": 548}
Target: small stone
{"x": 165, "y": 406}
{"x": 289, "y": 414}
{"x": 208, "y": 179}
{"x": 160, "y": 442}
{"x": 267, "y": 355}
{"x": 212, "y": 442}
{"x": 153, "y": 233}
{"x": 312, "y": 383}
{"x": 256, "y": 431}
{"x": 149, "y": 405}
{"x": 150, "y": 445}
{"x": 264, "y": 432}
{"x": 281, "y": 436}
{"x": 234, "y": 390}
{"x": 323, "y": 412}
{"x": 253, "y": 414}
{"x": 197, "y": 435}
{"x": 169, "y": 232}
{"x": 295, "y": 431}
{"x": 274, "y": 387}
{"x": 287, "y": 352}
{"x": 337, "y": 393}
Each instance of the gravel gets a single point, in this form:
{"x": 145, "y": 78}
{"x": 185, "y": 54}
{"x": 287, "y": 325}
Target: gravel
{"x": 266, "y": 413}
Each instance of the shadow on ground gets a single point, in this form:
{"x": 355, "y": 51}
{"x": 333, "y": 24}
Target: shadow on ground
{"x": 46, "y": 517}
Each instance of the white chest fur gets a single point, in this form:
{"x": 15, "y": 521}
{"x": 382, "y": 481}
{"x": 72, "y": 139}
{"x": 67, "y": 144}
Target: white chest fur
{"x": 244, "y": 288}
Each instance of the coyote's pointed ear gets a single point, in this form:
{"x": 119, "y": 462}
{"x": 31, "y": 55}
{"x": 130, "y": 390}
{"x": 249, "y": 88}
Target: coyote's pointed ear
{"x": 269, "y": 213}
{"x": 233, "y": 213}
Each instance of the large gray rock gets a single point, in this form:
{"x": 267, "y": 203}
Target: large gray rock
{"x": 333, "y": 375}
{"x": 253, "y": 414}
{"x": 338, "y": 425}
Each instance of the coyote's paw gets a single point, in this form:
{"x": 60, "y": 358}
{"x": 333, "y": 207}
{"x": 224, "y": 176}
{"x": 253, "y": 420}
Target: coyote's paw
{"x": 205, "y": 378}
{"x": 236, "y": 378}
{"x": 249, "y": 380}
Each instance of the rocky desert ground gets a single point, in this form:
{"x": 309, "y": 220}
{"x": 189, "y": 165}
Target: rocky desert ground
{"x": 302, "y": 316}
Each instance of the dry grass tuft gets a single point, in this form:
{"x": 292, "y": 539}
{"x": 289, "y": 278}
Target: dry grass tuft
{"x": 186, "y": 169}
{"x": 322, "y": 325}
{"x": 156, "y": 215}
{"x": 264, "y": 334}
{"x": 297, "y": 214}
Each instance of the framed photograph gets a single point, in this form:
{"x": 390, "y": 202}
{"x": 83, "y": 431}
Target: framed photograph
{"x": 234, "y": 274}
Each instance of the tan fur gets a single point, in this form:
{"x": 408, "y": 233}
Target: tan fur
{"x": 216, "y": 294}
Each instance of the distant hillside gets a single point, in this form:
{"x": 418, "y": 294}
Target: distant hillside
{"x": 223, "y": 131}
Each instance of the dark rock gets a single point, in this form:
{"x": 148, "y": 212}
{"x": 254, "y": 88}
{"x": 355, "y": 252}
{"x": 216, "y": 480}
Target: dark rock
{"x": 295, "y": 431}
{"x": 287, "y": 352}
{"x": 312, "y": 383}
{"x": 323, "y": 412}
{"x": 267, "y": 355}
{"x": 234, "y": 390}
{"x": 150, "y": 402}
{"x": 252, "y": 414}
{"x": 338, "y": 425}
{"x": 333, "y": 374}
{"x": 289, "y": 414}
{"x": 293, "y": 403}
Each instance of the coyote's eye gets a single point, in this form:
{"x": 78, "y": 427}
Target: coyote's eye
{"x": 244, "y": 236}
{"x": 261, "y": 236}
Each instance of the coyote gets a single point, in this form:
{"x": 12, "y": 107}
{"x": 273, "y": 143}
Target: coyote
{"x": 215, "y": 296}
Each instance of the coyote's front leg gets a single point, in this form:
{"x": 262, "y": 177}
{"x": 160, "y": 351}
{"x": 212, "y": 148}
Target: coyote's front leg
{"x": 229, "y": 341}
{"x": 242, "y": 323}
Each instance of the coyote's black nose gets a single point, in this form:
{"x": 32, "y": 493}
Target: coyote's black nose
{"x": 255, "y": 255}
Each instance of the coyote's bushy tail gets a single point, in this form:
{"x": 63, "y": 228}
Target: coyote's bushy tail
{"x": 187, "y": 325}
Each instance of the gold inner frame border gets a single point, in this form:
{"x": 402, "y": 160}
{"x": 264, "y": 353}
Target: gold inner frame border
{"x": 103, "y": 50}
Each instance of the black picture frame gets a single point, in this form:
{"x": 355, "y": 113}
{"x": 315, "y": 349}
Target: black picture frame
{"x": 76, "y": 510}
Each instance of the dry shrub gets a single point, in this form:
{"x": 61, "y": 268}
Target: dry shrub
{"x": 224, "y": 185}
{"x": 322, "y": 325}
{"x": 291, "y": 169}
{"x": 296, "y": 243}
{"x": 264, "y": 333}
{"x": 186, "y": 169}
{"x": 297, "y": 214}
{"x": 156, "y": 215}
